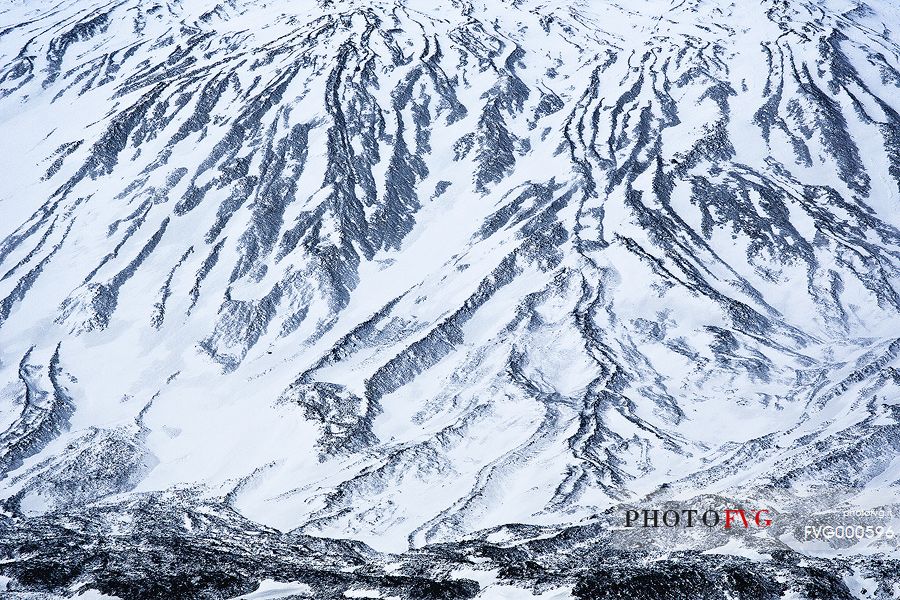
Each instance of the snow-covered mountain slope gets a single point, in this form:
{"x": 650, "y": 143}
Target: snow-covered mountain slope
{"x": 409, "y": 272}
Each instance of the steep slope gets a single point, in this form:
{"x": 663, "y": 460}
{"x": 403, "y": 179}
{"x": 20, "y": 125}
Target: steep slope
{"x": 407, "y": 272}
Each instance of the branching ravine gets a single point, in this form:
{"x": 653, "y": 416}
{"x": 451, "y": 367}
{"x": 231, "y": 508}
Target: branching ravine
{"x": 441, "y": 273}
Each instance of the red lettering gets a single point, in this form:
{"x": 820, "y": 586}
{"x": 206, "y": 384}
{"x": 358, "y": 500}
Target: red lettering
{"x": 730, "y": 513}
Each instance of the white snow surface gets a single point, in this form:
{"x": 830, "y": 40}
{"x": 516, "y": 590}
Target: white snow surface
{"x": 666, "y": 264}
